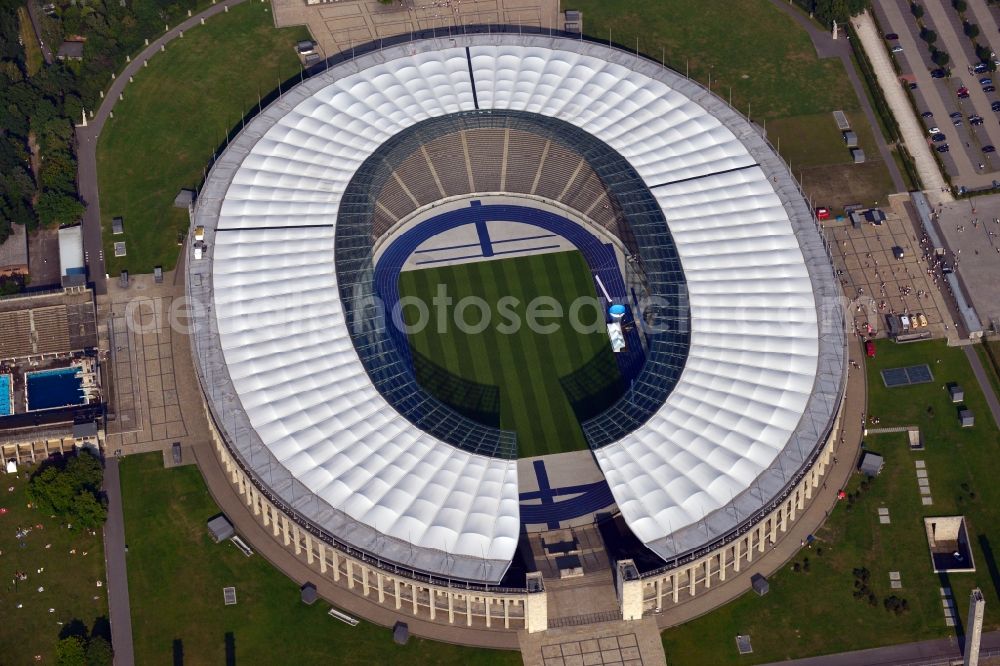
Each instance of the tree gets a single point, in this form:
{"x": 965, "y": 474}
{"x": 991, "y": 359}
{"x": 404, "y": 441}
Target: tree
{"x": 71, "y": 490}
{"x": 56, "y": 208}
{"x": 917, "y": 10}
{"x": 940, "y": 58}
{"x": 959, "y": 5}
{"x": 971, "y": 30}
{"x": 99, "y": 652}
{"x": 70, "y": 651}
{"x": 928, "y": 35}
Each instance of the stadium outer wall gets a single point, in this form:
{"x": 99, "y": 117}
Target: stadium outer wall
{"x": 409, "y": 594}
{"x": 511, "y": 610}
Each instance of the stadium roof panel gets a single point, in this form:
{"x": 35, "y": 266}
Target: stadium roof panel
{"x": 291, "y": 395}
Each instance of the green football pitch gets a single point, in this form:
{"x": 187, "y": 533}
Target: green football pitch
{"x": 544, "y": 381}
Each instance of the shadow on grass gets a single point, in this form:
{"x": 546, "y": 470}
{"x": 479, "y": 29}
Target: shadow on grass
{"x": 991, "y": 562}
{"x": 75, "y": 628}
{"x": 230, "y": 649}
{"x": 178, "y": 652}
{"x": 959, "y": 629}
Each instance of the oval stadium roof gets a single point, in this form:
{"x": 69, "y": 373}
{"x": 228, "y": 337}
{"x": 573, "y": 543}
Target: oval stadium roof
{"x": 286, "y": 387}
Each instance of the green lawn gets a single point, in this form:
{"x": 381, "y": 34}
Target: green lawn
{"x": 69, "y": 579}
{"x": 769, "y": 64}
{"x": 173, "y": 117}
{"x": 814, "y": 612}
{"x": 176, "y": 575}
{"x": 530, "y": 368}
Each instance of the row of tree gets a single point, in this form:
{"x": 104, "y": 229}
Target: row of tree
{"x": 828, "y": 11}
{"x": 71, "y": 489}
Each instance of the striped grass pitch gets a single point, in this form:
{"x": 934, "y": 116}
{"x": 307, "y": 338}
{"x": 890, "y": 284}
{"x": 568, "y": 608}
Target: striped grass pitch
{"x": 525, "y": 365}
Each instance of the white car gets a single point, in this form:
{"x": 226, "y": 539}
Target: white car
{"x": 934, "y": 130}
{"x": 897, "y": 49}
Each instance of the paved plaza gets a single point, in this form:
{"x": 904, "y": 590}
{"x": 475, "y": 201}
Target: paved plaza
{"x": 876, "y": 281}
{"x": 342, "y": 24}
{"x": 154, "y": 393}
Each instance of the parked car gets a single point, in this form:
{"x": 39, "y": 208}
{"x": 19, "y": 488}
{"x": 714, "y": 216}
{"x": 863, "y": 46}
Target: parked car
{"x": 928, "y": 114}
{"x": 987, "y": 81}
{"x": 934, "y": 130}
{"x": 913, "y": 85}
{"x": 905, "y": 321}
{"x": 897, "y": 49}
{"x": 955, "y": 114}
{"x": 943, "y": 148}
{"x": 989, "y": 149}
{"x": 938, "y": 73}
{"x": 995, "y": 106}
{"x": 957, "y": 122}
{"x": 938, "y": 138}
{"x": 975, "y": 120}
{"x": 980, "y": 68}
{"x": 963, "y": 95}
{"x": 989, "y": 89}
{"x": 891, "y": 36}
{"x": 822, "y": 213}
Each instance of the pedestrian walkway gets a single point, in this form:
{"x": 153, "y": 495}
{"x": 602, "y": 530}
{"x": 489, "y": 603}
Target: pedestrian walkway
{"x": 984, "y": 382}
{"x": 911, "y": 131}
{"x": 939, "y": 652}
{"x": 114, "y": 558}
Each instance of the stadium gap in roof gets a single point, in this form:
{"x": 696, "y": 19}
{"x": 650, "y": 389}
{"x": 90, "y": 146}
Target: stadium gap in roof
{"x": 332, "y": 428}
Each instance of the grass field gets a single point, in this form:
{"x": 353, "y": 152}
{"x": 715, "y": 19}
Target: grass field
{"x": 814, "y": 612}
{"x": 69, "y": 579}
{"x": 770, "y": 66}
{"x": 174, "y": 116}
{"x": 526, "y": 365}
{"x": 176, "y": 575}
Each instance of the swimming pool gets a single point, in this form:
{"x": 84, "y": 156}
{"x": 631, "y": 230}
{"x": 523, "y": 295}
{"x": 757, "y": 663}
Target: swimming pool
{"x": 6, "y": 407}
{"x": 48, "y": 389}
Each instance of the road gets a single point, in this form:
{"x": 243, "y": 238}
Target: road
{"x": 114, "y": 559}
{"x": 87, "y": 137}
{"x": 827, "y": 47}
{"x": 911, "y": 130}
{"x": 923, "y": 653}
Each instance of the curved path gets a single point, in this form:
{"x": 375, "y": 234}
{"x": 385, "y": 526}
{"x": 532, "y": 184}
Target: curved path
{"x": 86, "y": 139}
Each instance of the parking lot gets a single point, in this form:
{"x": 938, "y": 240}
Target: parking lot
{"x": 960, "y": 100}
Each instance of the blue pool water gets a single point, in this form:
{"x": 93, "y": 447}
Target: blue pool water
{"x": 54, "y": 388}
{"x": 6, "y": 409}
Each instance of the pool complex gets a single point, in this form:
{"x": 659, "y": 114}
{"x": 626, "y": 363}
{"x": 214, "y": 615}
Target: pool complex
{"x": 48, "y": 389}
{"x": 6, "y": 403}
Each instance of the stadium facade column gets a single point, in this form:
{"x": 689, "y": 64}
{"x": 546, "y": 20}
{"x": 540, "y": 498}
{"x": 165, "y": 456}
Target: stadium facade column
{"x": 399, "y": 602}
{"x": 451, "y": 608}
{"x": 284, "y": 529}
{"x": 413, "y": 595}
{"x": 722, "y": 564}
{"x": 296, "y": 535}
{"x": 336, "y": 564}
{"x": 774, "y": 529}
{"x": 432, "y": 596}
{"x": 350, "y": 573}
{"x": 506, "y": 613}
{"x": 255, "y": 496}
{"x": 365, "y": 588}
{"x": 380, "y": 582}
{"x": 677, "y": 587}
{"x": 692, "y": 573}
{"x": 737, "y": 555}
{"x": 322, "y": 556}
{"x": 309, "y": 548}
{"x": 659, "y": 592}
{"x": 489, "y": 603}
{"x": 276, "y": 527}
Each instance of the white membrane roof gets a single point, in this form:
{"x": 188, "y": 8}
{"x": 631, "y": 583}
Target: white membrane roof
{"x": 293, "y": 399}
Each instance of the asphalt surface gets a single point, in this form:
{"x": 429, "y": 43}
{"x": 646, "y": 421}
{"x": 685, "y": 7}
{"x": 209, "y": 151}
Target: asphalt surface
{"x": 828, "y": 47}
{"x": 86, "y": 138}
{"x": 117, "y": 577}
{"x": 922, "y": 653}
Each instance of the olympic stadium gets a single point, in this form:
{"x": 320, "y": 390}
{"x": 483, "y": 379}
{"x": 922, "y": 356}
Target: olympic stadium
{"x": 503, "y": 163}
